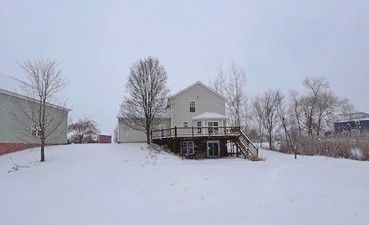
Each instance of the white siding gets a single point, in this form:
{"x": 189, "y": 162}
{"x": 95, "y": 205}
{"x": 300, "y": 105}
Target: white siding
{"x": 129, "y": 135}
{"x": 12, "y": 131}
{"x": 205, "y": 101}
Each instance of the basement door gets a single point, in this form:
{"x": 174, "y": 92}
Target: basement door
{"x": 213, "y": 149}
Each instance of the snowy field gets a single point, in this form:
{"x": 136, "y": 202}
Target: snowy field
{"x": 124, "y": 184}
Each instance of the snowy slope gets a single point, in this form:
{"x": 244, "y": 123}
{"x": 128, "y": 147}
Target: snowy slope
{"x": 124, "y": 184}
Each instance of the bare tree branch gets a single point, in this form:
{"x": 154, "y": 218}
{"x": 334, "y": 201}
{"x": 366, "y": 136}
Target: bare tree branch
{"x": 146, "y": 95}
{"x": 39, "y": 116}
{"x": 232, "y": 85}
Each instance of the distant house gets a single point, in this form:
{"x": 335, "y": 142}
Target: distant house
{"x": 16, "y": 130}
{"x": 352, "y": 123}
{"x": 196, "y": 126}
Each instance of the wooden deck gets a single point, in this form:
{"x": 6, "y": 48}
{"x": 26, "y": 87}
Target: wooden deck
{"x": 197, "y": 133}
{"x": 171, "y": 138}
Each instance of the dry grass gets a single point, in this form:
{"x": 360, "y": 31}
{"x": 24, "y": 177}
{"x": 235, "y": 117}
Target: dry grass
{"x": 352, "y": 147}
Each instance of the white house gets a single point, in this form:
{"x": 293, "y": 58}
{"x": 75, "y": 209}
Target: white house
{"x": 196, "y": 127}
{"x": 197, "y": 105}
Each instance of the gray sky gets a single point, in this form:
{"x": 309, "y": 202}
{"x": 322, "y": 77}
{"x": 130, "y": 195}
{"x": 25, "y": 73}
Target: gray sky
{"x": 278, "y": 43}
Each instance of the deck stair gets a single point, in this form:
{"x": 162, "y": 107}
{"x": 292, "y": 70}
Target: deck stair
{"x": 246, "y": 147}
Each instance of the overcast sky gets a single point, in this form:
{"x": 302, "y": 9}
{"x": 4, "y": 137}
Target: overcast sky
{"x": 278, "y": 43}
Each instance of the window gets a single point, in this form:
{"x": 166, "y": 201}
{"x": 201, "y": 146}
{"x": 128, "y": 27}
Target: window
{"x": 213, "y": 127}
{"x": 199, "y": 127}
{"x": 185, "y": 124}
{"x": 35, "y": 131}
{"x": 192, "y": 107}
{"x": 187, "y": 148}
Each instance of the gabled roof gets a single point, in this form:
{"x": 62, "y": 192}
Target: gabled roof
{"x": 198, "y": 83}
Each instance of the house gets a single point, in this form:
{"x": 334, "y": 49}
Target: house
{"x": 16, "y": 130}
{"x": 352, "y": 123}
{"x": 196, "y": 126}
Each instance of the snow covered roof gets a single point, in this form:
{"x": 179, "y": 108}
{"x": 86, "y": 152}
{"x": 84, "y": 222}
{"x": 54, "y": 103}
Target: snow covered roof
{"x": 356, "y": 116}
{"x": 209, "y": 115}
{"x": 198, "y": 83}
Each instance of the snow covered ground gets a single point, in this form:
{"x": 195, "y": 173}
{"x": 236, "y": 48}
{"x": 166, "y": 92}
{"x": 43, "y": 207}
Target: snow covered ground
{"x": 124, "y": 184}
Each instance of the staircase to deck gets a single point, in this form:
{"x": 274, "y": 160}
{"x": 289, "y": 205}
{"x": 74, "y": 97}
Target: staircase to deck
{"x": 246, "y": 147}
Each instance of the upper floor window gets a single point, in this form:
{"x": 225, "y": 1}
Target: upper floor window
{"x": 199, "y": 127}
{"x": 192, "y": 107}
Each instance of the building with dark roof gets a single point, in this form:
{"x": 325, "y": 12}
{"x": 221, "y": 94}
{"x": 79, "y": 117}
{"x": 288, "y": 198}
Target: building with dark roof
{"x": 357, "y": 122}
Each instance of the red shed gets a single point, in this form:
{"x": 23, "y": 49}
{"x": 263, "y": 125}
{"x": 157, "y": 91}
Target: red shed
{"x": 104, "y": 139}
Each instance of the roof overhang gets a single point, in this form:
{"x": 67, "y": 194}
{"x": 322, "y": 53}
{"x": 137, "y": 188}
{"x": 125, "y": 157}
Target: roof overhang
{"x": 31, "y": 99}
{"x": 210, "y": 115}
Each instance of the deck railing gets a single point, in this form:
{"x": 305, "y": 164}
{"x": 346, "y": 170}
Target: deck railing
{"x": 194, "y": 132}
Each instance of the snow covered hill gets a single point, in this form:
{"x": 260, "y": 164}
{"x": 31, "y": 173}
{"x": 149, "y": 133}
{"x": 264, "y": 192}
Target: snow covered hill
{"x": 125, "y": 184}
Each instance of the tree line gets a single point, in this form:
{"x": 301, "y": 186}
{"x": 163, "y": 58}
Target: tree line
{"x": 271, "y": 115}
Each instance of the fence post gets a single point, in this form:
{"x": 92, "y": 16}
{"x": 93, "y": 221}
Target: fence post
{"x": 175, "y": 131}
{"x": 192, "y": 131}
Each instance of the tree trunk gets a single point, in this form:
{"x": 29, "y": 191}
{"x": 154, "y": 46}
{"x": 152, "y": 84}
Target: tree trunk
{"x": 148, "y": 139}
{"x": 270, "y": 139}
{"x": 270, "y": 142}
{"x": 42, "y": 150}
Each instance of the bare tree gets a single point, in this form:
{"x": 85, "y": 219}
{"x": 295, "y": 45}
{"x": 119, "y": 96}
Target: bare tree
{"x": 83, "y": 131}
{"x": 320, "y": 106}
{"x": 146, "y": 97}
{"x": 232, "y": 85}
{"x": 265, "y": 107}
{"x": 282, "y": 113}
{"x": 258, "y": 117}
{"x": 315, "y": 88}
{"x": 44, "y": 85}
{"x": 295, "y": 112}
